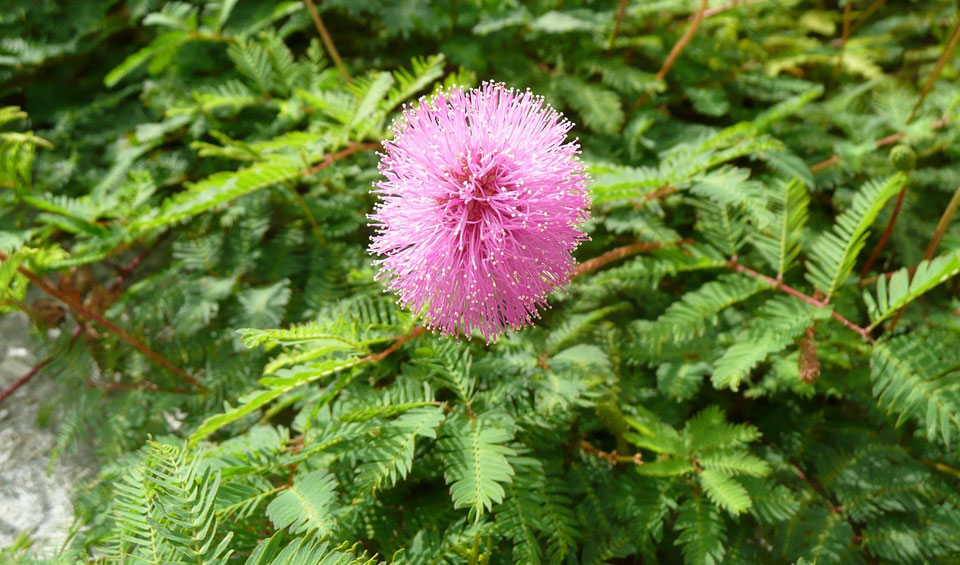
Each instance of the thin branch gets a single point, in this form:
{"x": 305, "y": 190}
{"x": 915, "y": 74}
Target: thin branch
{"x": 327, "y": 40}
{"x": 621, "y": 10}
{"x": 23, "y": 380}
{"x": 619, "y": 253}
{"x": 376, "y": 357}
{"x": 942, "y": 225}
{"x": 931, "y": 248}
{"x": 299, "y": 199}
{"x": 612, "y": 457}
{"x": 835, "y": 507}
{"x": 845, "y": 35}
{"x": 885, "y": 236}
{"x": 862, "y": 17}
{"x": 941, "y": 62}
{"x": 126, "y": 270}
{"x": 730, "y": 6}
{"x": 934, "y": 241}
{"x": 678, "y": 48}
{"x": 889, "y": 140}
{"x": 352, "y": 148}
{"x": 847, "y": 14}
{"x": 780, "y": 285}
{"x": 942, "y": 467}
{"x": 78, "y": 308}
{"x": 684, "y": 40}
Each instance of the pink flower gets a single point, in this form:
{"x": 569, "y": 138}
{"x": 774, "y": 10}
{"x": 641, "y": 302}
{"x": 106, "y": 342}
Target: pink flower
{"x": 478, "y": 216}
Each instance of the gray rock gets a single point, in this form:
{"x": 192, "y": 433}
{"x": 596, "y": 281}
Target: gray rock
{"x": 30, "y": 499}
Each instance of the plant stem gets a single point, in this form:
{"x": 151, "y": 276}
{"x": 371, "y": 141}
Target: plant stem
{"x": 613, "y": 458}
{"x": 126, "y": 270}
{"x": 932, "y": 247}
{"x": 619, "y": 253}
{"x": 23, "y": 380}
{"x": 678, "y": 48}
{"x": 941, "y": 62}
{"x": 375, "y": 357}
{"x": 730, "y": 6}
{"x": 862, "y": 17}
{"x": 942, "y": 225}
{"x": 684, "y": 40}
{"x": 298, "y": 198}
{"x": 78, "y": 308}
{"x": 942, "y": 467}
{"x": 327, "y": 40}
{"x": 352, "y": 148}
{"x": 889, "y": 140}
{"x": 885, "y": 236}
{"x": 621, "y": 10}
{"x": 847, "y": 13}
{"x": 845, "y": 35}
{"x": 780, "y": 285}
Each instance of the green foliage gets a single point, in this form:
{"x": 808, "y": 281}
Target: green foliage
{"x": 199, "y": 173}
{"x": 835, "y": 252}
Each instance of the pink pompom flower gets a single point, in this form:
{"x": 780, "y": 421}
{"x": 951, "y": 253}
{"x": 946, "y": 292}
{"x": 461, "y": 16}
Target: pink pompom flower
{"x": 479, "y": 214}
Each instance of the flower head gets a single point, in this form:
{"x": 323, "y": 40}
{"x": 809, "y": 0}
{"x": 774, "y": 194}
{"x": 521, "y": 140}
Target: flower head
{"x": 479, "y": 213}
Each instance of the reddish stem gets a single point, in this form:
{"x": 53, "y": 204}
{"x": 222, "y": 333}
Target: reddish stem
{"x": 730, "y": 6}
{"x": 23, "y": 380}
{"x": 885, "y": 236}
{"x": 932, "y": 247}
{"x": 352, "y": 148}
{"x": 942, "y": 225}
{"x": 621, "y": 10}
{"x": 889, "y": 140}
{"x": 327, "y": 40}
{"x": 941, "y": 62}
{"x": 375, "y": 357}
{"x": 78, "y": 308}
{"x": 862, "y": 17}
{"x": 612, "y": 457}
{"x": 126, "y": 270}
{"x": 619, "y": 253}
{"x": 780, "y": 285}
{"x": 678, "y": 48}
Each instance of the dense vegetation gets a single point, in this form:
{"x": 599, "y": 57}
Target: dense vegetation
{"x": 758, "y": 362}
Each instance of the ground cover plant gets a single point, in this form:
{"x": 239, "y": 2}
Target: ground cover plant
{"x": 756, "y": 360}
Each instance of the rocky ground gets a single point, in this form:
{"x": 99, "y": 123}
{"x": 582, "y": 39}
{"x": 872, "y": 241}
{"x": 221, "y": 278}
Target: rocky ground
{"x": 30, "y": 499}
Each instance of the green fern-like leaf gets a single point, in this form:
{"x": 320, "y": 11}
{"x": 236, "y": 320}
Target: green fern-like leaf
{"x": 833, "y": 254}
{"x": 389, "y": 456}
{"x": 477, "y": 461}
{"x": 307, "y": 550}
{"x": 918, "y": 376}
{"x": 779, "y": 323}
{"x": 307, "y": 505}
{"x": 599, "y": 107}
{"x": 779, "y": 243}
{"x": 903, "y": 288}
{"x": 702, "y": 532}
{"x": 724, "y": 491}
{"x": 696, "y": 310}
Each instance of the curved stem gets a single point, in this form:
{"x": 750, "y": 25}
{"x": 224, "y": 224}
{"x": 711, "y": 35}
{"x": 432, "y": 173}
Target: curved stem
{"x": 678, "y": 48}
{"x": 23, "y": 380}
{"x": 327, "y": 40}
{"x": 616, "y": 254}
{"x": 78, "y": 308}
{"x": 780, "y": 285}
{"x": 886, "y": 235}
{"x": 941, "y": 62}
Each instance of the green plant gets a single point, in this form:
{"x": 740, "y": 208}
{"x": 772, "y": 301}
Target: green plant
{"x": 756, "y": 361}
